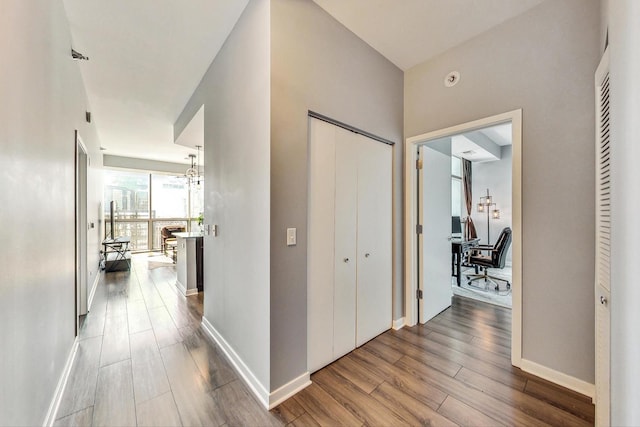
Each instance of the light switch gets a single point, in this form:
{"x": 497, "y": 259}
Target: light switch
{"x": 291, "y": 236}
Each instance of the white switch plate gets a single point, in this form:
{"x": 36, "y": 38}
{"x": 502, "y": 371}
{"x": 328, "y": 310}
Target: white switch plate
{"x": 291, "y": 237}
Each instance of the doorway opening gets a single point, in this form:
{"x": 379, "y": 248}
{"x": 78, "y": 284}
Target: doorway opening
{"x": 81, "y": 269}
{"x": 429, "y": 220}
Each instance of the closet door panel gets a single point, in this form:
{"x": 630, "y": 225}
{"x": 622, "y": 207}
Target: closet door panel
{"x": 374, "y": 283}
{"x": 320, "y": 272}
{"x": 345, "y": 263}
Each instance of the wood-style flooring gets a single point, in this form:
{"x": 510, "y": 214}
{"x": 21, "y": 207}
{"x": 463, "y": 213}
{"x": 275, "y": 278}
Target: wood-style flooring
{"x": 143, "y": 360}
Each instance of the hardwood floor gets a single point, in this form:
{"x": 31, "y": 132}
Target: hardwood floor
{"x": 143, "y": 360}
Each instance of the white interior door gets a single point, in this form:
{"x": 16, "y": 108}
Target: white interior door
{"x": 346, "y": 263}
{"x": 320, "y": 249}
{"x": 374, "y": 239}
{"x": 435, "y": 242}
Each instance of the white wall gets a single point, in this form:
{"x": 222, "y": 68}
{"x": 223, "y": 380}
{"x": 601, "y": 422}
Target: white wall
{"x": 543, "y": 62}
{"x": 319, "y": 65}
{"x": 496, "y": 176}
{"x": 236, "y": 94}
{"x": 43, "y": 102}
{"x": 624, "y": 37}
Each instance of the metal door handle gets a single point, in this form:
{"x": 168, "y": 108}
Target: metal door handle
{"x": 603, "y": 300}
{"x": 346, "y": 260}
{"x": 367, "y": 255}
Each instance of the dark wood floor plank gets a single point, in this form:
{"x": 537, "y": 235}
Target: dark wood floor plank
{"x": 490, "y": 406}
{"x": 465, "y": 415}
{"x": 526, "y": 403}
{"x": 411, "y": 410}
{"x": 190, "y": 390}
{"x": 304, "y": 420}
{"x": 288, "y": 411}
{"x": 472, "y": 350}
{"x": 360, "y": 404}
{"x": 444, "y": 365}
{"x": 470, "y": 327}
{"x": 240, "y": 408}
{"x": 210, "y": 360}
{"x": 359, "y": 375}
{"x": 434, "y": 327}
{"x": 387, "y": 353}
{"x": 492, "y": 346}
{"x": 562, "y": 398}
{"x": 507, "y": 375}
{"x": 324, "y": 409}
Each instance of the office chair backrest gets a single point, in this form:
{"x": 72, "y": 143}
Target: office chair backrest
{"x": 499, "y": 256}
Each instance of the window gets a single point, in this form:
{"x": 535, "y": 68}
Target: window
{"x": 456, "y": 187}
{"x": 147, "y": 202}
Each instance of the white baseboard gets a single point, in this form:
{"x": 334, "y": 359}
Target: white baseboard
{"x": 564, "y": 380}
{"x": 243, "y": 370}
{"x": 62, "y": 384}
{"x": 398, "y": 324}
{"x": 183, "y": 290}
{"x": 289, "y": 389}
{"x": 92, "y": 293}
{"x": 268, "y": 400}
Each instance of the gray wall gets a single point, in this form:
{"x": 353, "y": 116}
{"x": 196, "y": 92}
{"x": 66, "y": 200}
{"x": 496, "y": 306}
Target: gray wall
{"x": 235, "y": 91}
{"x": 496, "y": 176}
{"x": 43, "y": 102}
{"x": 543, "y": 62}
{"x": 318, "y": 65}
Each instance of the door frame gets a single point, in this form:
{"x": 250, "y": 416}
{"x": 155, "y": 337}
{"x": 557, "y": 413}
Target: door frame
{"x": 410, "y": 212}
{"x": 81, "y": 232}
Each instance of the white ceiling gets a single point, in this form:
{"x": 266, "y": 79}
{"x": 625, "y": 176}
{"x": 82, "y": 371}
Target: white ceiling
{"x": 148, "y": 56}
{"x": 408, "y": 32}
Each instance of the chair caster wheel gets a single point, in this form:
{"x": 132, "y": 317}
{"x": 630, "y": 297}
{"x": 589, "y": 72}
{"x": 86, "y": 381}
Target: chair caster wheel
{"x": 497, "y": 288}
{"x": 508, "y": 285}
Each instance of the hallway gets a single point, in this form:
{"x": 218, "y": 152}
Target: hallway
{"x": 143, "y": 359}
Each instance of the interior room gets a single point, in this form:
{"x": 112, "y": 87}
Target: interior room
{"x": 490, "y": 209}
{"x": 213, "y": 212}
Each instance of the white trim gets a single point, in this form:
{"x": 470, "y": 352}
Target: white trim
{"x": 410, "y": 286}
{"x": 241, "y": 368}
{"x": 62, "y": 384}
{"x": 564, "y": 380}
{"x": 184, "y": 291}
{"x": 398, "y": 323}
{"x": 93, "y": 291}
{"x": 289, "y": 389}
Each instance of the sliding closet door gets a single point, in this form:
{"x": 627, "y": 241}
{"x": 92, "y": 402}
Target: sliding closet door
{"x": 320, "y": 253}
{"x": 374, "y": 239}
{"x": 346, "y": 263}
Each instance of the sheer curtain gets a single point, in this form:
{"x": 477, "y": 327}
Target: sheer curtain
{"x": 469, "y": 228}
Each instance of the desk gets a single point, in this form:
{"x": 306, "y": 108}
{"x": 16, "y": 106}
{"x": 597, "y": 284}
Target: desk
{"x": 459, "y": 247}
{"x": 116, "y": 254}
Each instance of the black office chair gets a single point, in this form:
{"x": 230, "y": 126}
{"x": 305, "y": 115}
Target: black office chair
{"x": 494, "y": 259}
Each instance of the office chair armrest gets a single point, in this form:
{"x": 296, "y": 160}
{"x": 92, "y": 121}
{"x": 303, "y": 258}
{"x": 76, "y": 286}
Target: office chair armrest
{"x": 483, "y": 248}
